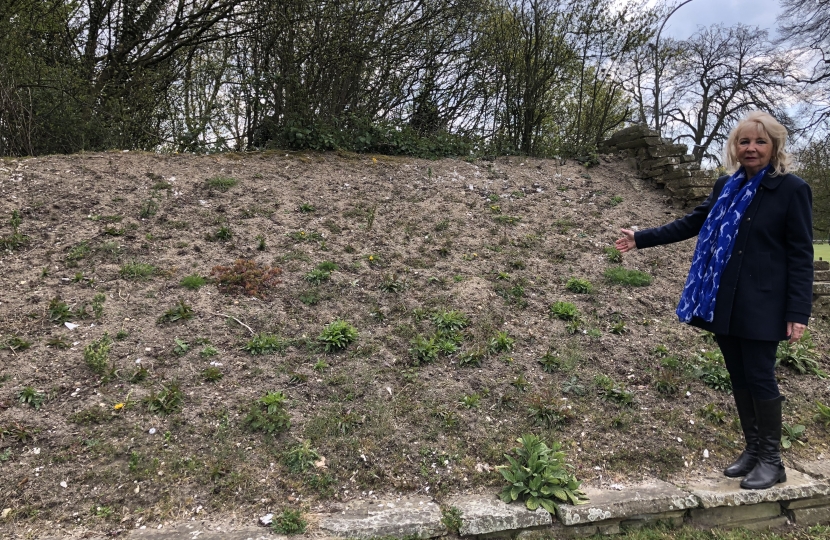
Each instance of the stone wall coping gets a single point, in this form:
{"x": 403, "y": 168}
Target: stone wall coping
{"x": 721, "y": 491}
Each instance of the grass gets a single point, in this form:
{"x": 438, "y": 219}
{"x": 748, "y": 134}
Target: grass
{"x": 821, "y": 251}
{"x": 618, "y": 275}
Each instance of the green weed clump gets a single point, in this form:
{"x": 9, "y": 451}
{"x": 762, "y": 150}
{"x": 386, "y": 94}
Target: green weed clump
{"x": 423, "y": 350}
{"x": 193, "y": 282}
{"x": 565, "y": 311}
{"x": 618, "y": 275}
{"x": 137, "y": 270}
{"x": 264, "y": 343}
{"x": 823, "y": 413}
{"x": 96, "y": 354}
{"x": 221, "y": 183}
{"x": 289, "y": 522}
{"x": 16, "y": 239}
{"x": 31, "y": 397}
{"x": 301, "y": 457}
{"x": 579, "y": 286}
{"x": 166, "y": 401}
{"x": 800, "y": 356}
{"x": 179, "y": 312}
{"x": 546, "y": 410}
{"x": 612, "y": 254}
{"x": 710, "y": 368}
{"x": 449, "y": 320}
{"x": 268, "y": 414}
{"x": 539, "y": 476}
{"x": 337, "y": 335}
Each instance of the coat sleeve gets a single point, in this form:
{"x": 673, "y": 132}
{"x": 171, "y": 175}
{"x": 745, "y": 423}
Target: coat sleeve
{"x": 680, "y": 229}
{"x": 800, "y": 256}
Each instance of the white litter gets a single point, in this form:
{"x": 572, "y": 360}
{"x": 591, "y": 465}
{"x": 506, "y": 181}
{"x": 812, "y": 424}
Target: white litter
{"x": 70, "y": 325}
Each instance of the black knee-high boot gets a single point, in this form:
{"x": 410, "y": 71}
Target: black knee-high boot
{"x": 746, "y": 413}
{"x": 769, "y": 470}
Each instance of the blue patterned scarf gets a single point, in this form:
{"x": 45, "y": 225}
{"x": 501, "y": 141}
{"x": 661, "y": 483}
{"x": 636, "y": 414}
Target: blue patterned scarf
{"x": 714, "y": 246}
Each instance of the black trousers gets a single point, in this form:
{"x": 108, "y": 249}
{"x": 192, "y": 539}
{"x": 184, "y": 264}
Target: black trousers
{"x": 751, "y": 365}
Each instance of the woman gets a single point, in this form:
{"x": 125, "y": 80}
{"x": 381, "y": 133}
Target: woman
{"x": 751, "y": 280}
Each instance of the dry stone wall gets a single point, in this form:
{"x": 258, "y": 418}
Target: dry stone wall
{"x": 669, "y": 166}
{"x": 821, "y": 288}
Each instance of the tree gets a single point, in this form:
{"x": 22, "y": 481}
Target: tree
{"x": 814, "y": 167}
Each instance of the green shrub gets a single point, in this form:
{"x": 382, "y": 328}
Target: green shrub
{"x": 502, "y": 342}
{"x": 800, "y": 356}
{"x": 449, "y": 321}
{"x": 192, "y": 282}
{"x": 96, "y": 354}
{"x": 268, "y": 414}
{"x": 579, "y": 286}
{"x": 623, "y": 276}
{"x": 565, "y": 311}
{"x": 301, "y": 457}
{"x": 221, "y": 183}
{"x": 264, "y": 343}
{"x": 423, "y": 350}
{"x": 612, "y": 254}
{"x": 31, "y": 397}
{"x": 337, "y": 335}
{"x": 710, "y": 368}
{"x": 538, "y": 476}
{"x": 289, "y": 522}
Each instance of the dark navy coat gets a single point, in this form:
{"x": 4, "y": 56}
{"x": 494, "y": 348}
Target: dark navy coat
{"x": 768, "y": 280}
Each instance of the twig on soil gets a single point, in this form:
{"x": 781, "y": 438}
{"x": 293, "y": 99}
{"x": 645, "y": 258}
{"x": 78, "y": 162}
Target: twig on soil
{"x": 234, "y": 318}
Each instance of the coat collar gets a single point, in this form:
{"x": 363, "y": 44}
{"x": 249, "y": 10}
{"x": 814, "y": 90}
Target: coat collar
{"x": 771, "y": 182}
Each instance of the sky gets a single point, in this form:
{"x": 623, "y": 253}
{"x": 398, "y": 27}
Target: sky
{"x": 684, "y": 22}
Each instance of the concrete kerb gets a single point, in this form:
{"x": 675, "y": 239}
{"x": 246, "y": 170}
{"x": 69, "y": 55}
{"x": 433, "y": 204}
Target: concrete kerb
{"x": 715, "y": 502}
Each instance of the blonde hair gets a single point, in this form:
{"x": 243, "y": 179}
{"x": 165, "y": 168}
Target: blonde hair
{"x": 766, "y": 124}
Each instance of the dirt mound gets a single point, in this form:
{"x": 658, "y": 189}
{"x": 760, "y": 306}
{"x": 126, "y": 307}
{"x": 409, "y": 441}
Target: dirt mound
{"x": 405, "y": 407}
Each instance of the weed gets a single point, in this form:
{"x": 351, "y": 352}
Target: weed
{"x": 660, "y": 351}
{"x": 208, "y": 351}
{"x": 472, "y": 358}
{"x": 709, "y": 368}
{"x": 31, "y": 397}
{"x": 246, "y": 277}
{"x": 346, "y": 422}
{"x": 180, "y": 347}
{"x": 166, "y": 401}
{"x": 320, "y": 366}
{"x": 667, "y": 384}
{"x": 514, "y": 294}
{"x": 711, "y": 413}
{"x": 221, "y": 183}
{"x": 502, "y": 342}
{"x": 16, "y": 343}
{"x": 618, "y": 275}
{"x": 303, "y": 236}
{"x": 149, "y": 208}
{"x": 823, "y": 413}
{"x": 520, "y": 383}
{"x": 550, "y": 361}
{"x": 451, "y": 518}
{"x": 265, "y": 344}
{"x": 613, "y": 392}
{"x": 317, "y": 276}
{"x": 289, "y": 522}
{"x": 58, "y": 342}
{"x": 306, "y": 208}
{"x": 137, "y": 270}
{"x": 579, "y": 286}
{"x": 503, "y": 276}
{"x": 310, "y": 297}
{"x": 179, "y": 312}
{"x": 337, "y": 335}
{"x": 391, "y": 284}
{"x": 15, "y": 240}
{"x": 471, "y": 401}
{"x": 192, "y": 282}
{"x": 618, "y": 328}
{"x": 212, "y": 374}
{"x": 539, "y": 476}
{"x": 301, "y": 457}
{"x": 565, "y": 311}
{"x": 615, "y": 200}
{"x": 547, "y": 411}
{"x": 121, "y": 335}
{"x": 260, "y": 245}
{"x": 800, "y": 356}
{"x": 791, "y": 434}
{"x": 423, "y": 350}
{"x": 78, "y": 252}
{"x": 442, "y": 225}
{"x": 98, "y": 305}
{"x": 449, "y": 321}
{"x": 573, "y": 386}
{"x": 502, "y": 219}
{"x": 96, "y": 354}
{"x": 612, "y": 254}
{"x": 223, "y": 233}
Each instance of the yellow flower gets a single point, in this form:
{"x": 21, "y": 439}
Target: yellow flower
{"x": 374, "y": 160}
{"x": 118, "y": 406}
{"x": 371, "y": 257}
{"x": 475, "y": 254}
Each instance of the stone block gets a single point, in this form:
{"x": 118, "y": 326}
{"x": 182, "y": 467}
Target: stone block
{"x": 650, "y": 498}
{"x": 673, "y": 519}
{"x": 721, "y": 491}
{"x": 817, "y": 469}
{"x": 691, "y": 181}
{"x": 635, "y": 131}
{"x": 807, "y": 517}
{"x": 729, "y": 515}
{"x": 404, "y": 517}
{"x": 690, "y": 193}
{"x": 821, "y": 265}
{"x": 482, "y": 514}
{"x": 660, "y": 162}
{"x": 204, "y": 531}
{"x": 821, "y": 500}
{"x": 676, "y": 174}
{"x": 604, "y": 528}
{"x": 638, "y": 142}
{"x": 821, "y": 275}
{"x": 821, "y": 289}
{"x": 667, "y": 150}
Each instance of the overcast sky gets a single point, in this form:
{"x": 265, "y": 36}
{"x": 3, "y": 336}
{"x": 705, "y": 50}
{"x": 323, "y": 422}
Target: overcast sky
{"x": 685, "y": 21}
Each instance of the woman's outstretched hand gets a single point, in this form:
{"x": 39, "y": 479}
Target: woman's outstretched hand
{"x": 626, "y": 243}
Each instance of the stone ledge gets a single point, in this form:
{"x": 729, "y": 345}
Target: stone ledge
{"x": 734, "y": 515}
{"x": 482, "y": 514}
{"x": 821, "y": 289}
{"x": 204, "y": 531}
{"x": 414, "y": 516}
{"x": 821, "y": 265}
{"x": 722, "y": 491}
{"x": 821, "y": 275}
{"x": 817, "y": 469}
{"x": 652, "y": 498}
{"x": 807, "y": 517}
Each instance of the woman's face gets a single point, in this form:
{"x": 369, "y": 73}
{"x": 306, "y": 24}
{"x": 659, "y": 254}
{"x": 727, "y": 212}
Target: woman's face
{"x": 754, "y": 149}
